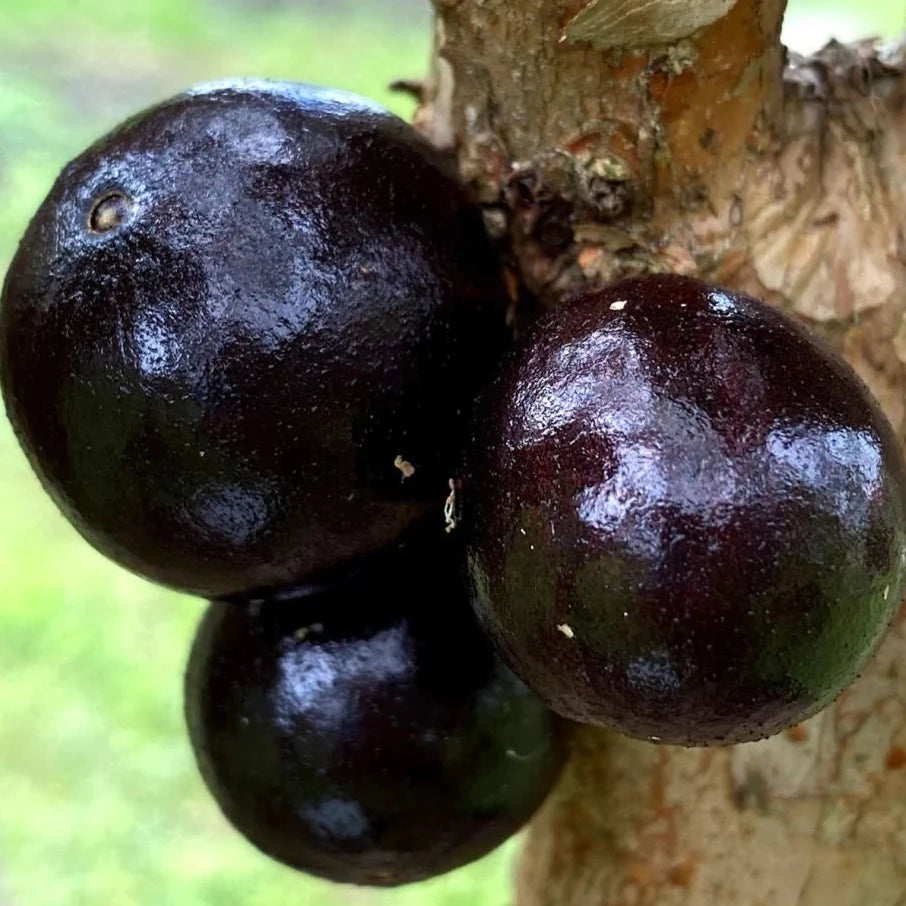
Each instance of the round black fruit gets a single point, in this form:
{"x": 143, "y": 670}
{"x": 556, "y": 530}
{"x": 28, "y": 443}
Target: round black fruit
{"x": 367, "y": 733}
{"x": 241, "y": 334}
{"x": 687, "y": 515}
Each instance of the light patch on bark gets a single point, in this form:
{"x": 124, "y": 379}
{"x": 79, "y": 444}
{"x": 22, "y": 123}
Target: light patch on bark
{"x": 639, "y": 23}
{"x": 435, "y": 120}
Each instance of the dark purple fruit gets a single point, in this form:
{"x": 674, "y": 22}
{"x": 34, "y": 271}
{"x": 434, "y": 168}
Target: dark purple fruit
{"x": 687, "y": 515}
{"x": 367, "y": 733}
{"x": 240, "y": 335}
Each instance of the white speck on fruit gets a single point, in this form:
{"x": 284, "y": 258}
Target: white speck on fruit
{"x": 567, "y": 630}
{"x": 451, "y": 508}
{"x": 523, "y": 531}
{"x": 619, "y": 305}
{"x": 512, "y": 753}
{"x": 886, "y": 592}
{"x": 404, "y": 466}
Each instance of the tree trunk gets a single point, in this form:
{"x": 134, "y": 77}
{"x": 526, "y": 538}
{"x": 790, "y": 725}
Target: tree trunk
{"x": 614, "y": 137}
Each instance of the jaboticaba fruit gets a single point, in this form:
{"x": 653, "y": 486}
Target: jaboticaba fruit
{"x": 687, "y": 515}
{"x": 240, "y": 335}
{"x": 368, "y": 733}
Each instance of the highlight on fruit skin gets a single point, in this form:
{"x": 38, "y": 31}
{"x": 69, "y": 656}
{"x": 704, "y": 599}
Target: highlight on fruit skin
{"x": 687, "y": 515}
{"x": 367, "y": 732}
{"x": 229, "y": 321}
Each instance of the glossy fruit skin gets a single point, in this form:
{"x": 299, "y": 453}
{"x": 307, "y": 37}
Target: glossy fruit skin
{"x": 368, "y": 733}
{"x": 687, "y": 515}
{"x": 228, "y": 320}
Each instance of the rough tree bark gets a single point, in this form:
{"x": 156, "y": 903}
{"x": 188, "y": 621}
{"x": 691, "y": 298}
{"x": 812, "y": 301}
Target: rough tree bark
{"x": 613, "y": 137}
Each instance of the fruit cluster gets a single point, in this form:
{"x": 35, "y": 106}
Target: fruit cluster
{"x": 254, "y": 345}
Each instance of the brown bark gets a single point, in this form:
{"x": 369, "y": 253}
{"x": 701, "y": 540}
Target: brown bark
{"x": 600, "y": 153}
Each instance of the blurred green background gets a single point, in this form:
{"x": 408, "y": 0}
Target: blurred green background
{"x": 99, "y": 799}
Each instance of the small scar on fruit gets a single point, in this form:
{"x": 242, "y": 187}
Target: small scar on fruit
{"x": 109, "y": 212}
{"x": 452, "y": 509}
{"x": 619, "y": 305}
{"x": 567, "y": 630}
{"x": 406, "y": 467}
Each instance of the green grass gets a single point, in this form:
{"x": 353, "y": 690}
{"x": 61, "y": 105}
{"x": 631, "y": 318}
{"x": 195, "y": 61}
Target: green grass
{"x": 99, "y": 798}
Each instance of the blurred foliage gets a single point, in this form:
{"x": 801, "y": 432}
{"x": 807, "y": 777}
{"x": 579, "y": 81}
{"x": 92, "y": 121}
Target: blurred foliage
{"x": 810, "y": 22}
{"x": 99, "y": 799}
